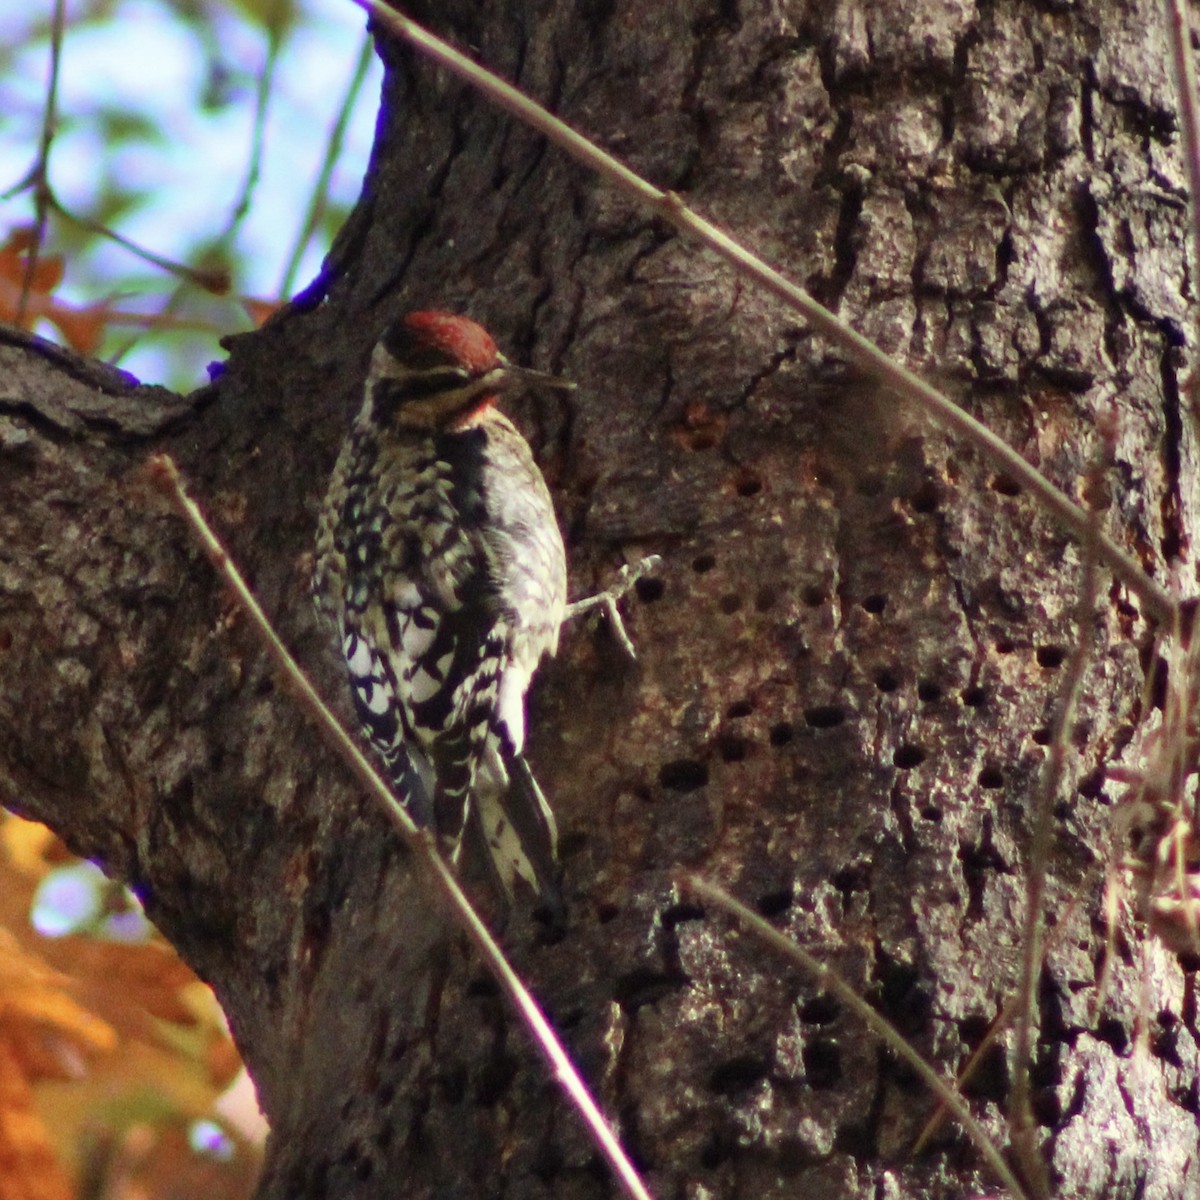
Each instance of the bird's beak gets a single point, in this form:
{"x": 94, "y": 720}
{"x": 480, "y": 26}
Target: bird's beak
{"x": 511, "y": 376}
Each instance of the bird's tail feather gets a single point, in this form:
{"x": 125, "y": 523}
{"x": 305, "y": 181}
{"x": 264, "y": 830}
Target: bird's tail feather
{"x": 520, "y": 838}
{"x": 410, "y": 777}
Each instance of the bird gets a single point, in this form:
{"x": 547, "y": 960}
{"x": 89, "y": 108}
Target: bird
{"x": 440, "y": 564}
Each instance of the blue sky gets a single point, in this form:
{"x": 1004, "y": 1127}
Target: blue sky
{"x": 190, "y": 83}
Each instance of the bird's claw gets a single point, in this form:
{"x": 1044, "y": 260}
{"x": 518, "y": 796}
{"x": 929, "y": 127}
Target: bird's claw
{"x": 626, "y": 579}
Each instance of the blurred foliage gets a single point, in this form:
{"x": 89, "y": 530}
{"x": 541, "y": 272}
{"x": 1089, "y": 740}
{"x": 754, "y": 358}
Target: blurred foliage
{"x": 112, "y": 1053}
{"x": 201, "y": 157}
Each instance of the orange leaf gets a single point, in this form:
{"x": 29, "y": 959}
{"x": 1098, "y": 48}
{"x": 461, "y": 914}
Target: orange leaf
{"x": 21, "y": 239}
{"x": 29, "y": 846}
{"x": 150, "y": 974}
{"x": 86, "y": 1023}
{"x": 83, "y": 328}
{"x": 45, "y": 1031}
{"x": 14, "y": 259}
{"x": 259, "y": 310}
{"x": 28, "y": 1167}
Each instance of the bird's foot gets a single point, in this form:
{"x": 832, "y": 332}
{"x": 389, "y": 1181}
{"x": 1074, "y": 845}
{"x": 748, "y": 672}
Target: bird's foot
{"x": 626, "y": 578}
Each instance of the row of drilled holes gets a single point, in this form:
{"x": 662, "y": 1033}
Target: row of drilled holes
{"x": 1050, "y": 657}
{"x": 689, "y": 774}
{"x": 831, "y": 716}
{"x": 686, "y": 775}
{"x": 926, "y": 498}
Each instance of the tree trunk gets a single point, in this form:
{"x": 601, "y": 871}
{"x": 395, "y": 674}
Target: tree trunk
{"x": 848, "y": 663}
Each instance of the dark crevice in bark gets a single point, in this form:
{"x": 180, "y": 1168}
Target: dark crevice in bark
{"x": 1175, "y": 541}
{"x": 1087, "y": 115}
{"x": 845, "y": 243}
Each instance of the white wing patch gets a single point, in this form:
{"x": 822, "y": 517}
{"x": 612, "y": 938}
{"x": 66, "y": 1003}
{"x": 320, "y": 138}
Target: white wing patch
{"x": 407, "y": 596}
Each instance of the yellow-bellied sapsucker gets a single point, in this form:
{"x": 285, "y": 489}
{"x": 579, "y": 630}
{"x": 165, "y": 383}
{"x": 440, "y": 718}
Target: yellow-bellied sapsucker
{"x": 440, "y": 561}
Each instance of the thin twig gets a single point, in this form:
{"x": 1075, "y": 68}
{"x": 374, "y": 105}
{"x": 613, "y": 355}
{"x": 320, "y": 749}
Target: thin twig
{"x": 1158, "y": 603}
{"x": 333, "y": 151}
{"x": 166, "y": 475}
{"x": 1021, "y": 1115}
{"x": 38, "y": 176}
{"x": 262, "y": 97}
{"x": 211, "y": 280}
{"x": 880, "y": 1026}
{"x": 219, "y": 280}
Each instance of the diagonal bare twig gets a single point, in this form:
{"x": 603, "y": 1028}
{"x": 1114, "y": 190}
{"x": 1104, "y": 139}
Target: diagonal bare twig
{"x": 166, "y": 476}
{"x": 1158, "y": 603}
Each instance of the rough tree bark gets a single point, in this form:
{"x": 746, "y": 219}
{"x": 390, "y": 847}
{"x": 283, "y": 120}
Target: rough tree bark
{"x": 847, "y": 664}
